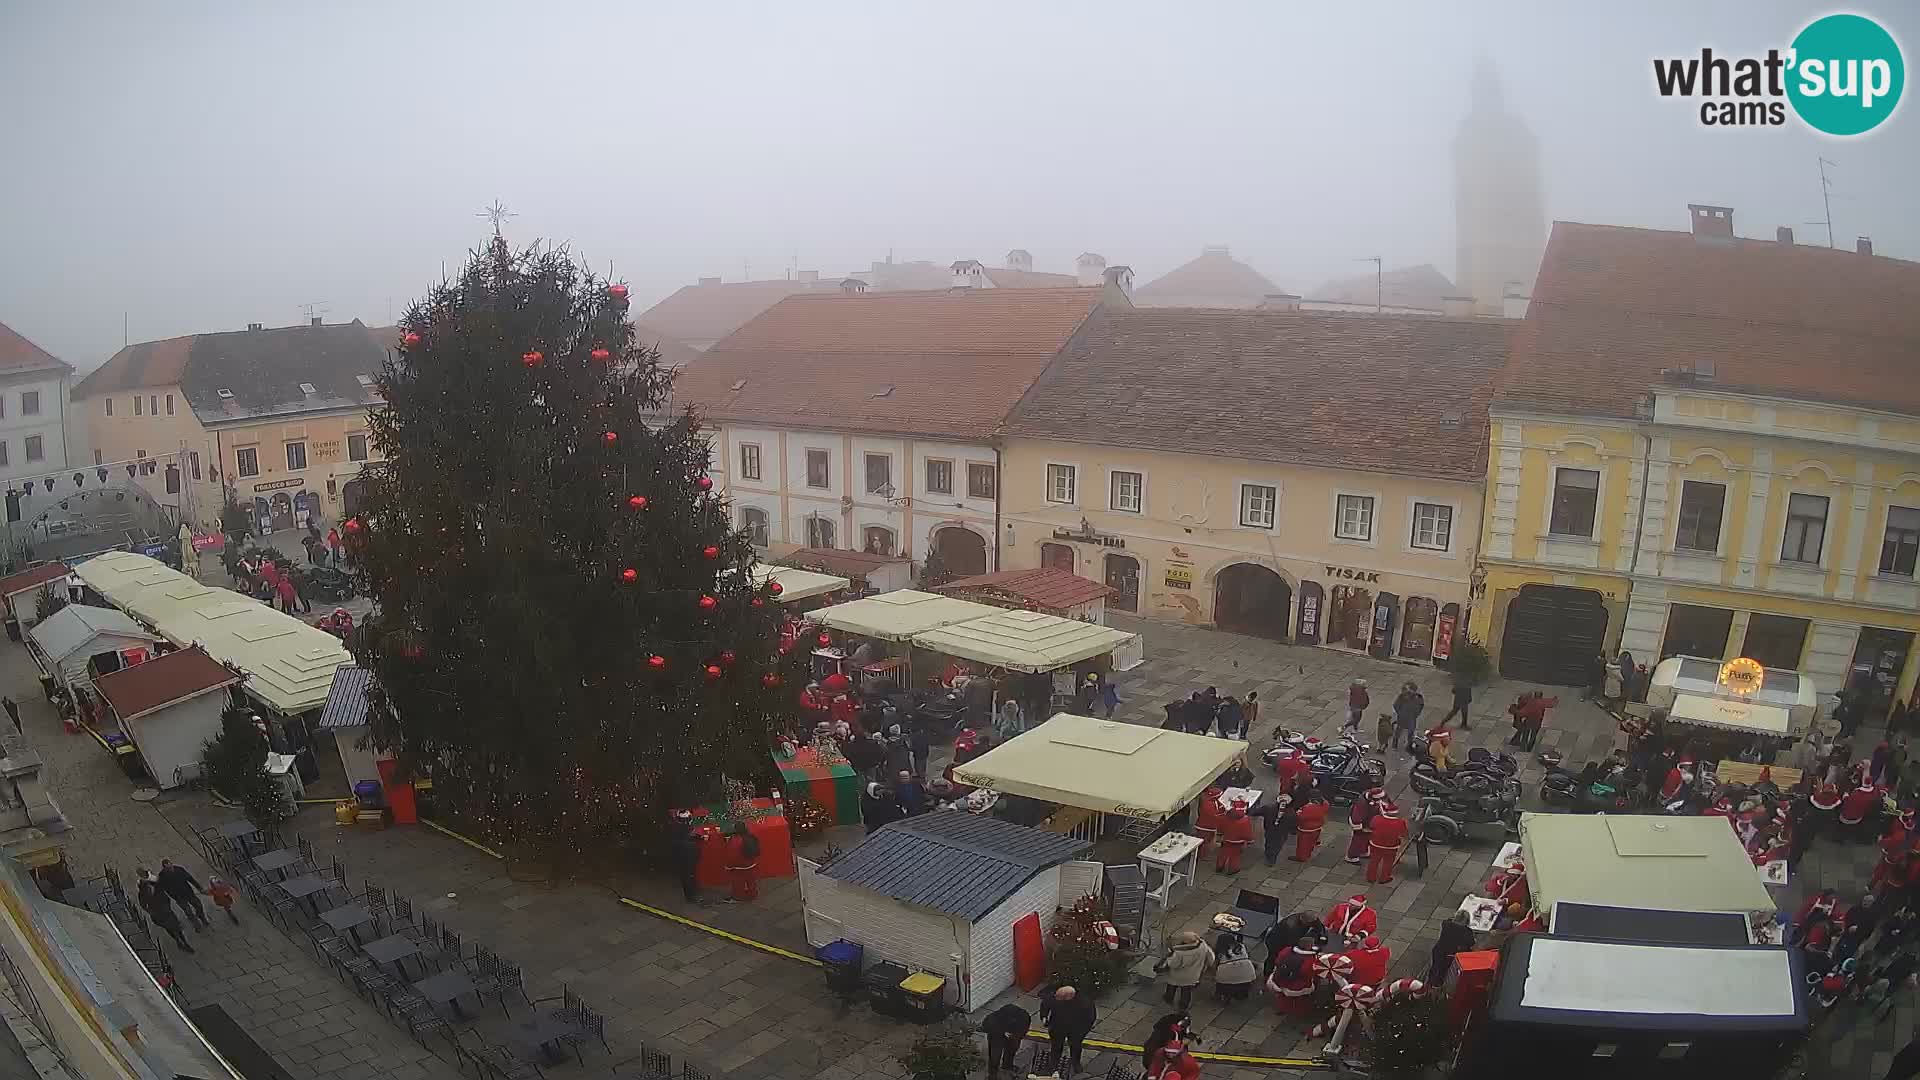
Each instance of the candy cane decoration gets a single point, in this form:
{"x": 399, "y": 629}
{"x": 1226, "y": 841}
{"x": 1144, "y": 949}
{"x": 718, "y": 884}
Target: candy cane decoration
{"x": 1410, "y": 987}
{"x": 1109, "y": 934}
{"x": 1352, "y": 1000}
{"x": 1333, "y": 966}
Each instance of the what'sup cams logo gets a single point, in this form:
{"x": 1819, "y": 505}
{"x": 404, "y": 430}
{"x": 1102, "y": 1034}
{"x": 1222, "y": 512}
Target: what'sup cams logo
{"x": 1842, "y": 75}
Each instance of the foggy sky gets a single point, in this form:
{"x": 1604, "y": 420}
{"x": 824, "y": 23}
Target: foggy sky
{"x": 196, "y": 167}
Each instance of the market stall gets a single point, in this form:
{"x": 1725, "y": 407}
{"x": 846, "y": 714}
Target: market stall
{"x": 1110, "y": 767}
{"x": 1046, "y": 589}
{"x": 765, "y": 819}
{"x": 898, "y": 615}
{"x": 1738, "y": 695}
{"x": 1027, "y": 641}
{"x": 864, "y": 570}
{"x": 1649, "y": 862}
{"x": 798, "y": 588}
{"x": 18, "y": 594}
{"x": 63, "y": 643}
{"x": 169, "y": 707}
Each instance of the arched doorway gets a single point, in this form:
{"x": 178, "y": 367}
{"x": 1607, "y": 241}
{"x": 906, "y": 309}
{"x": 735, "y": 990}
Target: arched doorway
{"x": 306, "y": 507}
{"x": 282, "y": 511}
{"x": 963, "y": 551}
{"x": 1350, "y": 617}
{"x": 1251, "y": 599}
{"x": 1416, "y": 630}
{"x": 1553, "y": 633}
{"x": 1057, "y": 557}
{"x": 351, "y": 493}
{"x": 1123, "y": 577}
{"x": 262, "y": 515}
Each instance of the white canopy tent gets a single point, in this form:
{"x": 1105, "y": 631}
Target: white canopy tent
{"x": 1030, "y": 641}
{"x": 798, "y": 584}
{"x": 1730, "y": 713}
{"x": 1639, "y": 861}
{"x": 899, "y": 615}
{"x": 1104, "y": 765}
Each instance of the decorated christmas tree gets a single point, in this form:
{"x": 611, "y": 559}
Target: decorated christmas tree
{"x": 566, "y": 634}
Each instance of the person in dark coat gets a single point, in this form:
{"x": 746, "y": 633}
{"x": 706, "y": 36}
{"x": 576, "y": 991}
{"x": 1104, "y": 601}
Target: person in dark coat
{"x": 13, "y": 714}
{"x": 920, "y": 745}
{"x": 1462, "y": 700}
{"x": 1287, "y": 933}
{"x": 160, "y": 910}
{"x": 685, "y": 851}
{"x": 1005, "y": 1027}
{"x": 179, "y": 885}
{"x": 1455, "y": 937}
{"x": 1070, "y": 1017}
{"x": 1906, "y": 1063}
{"x": 879, "y": 807}
{"x": 909, "y": 794}
{"x": 1276, "y": 818}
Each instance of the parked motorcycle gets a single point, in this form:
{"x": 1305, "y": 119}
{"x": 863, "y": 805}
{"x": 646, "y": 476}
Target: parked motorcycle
{"x": 329, "y": 585}
{"x": 1344, "y": 773}
{"x": 1444, "y": 820}
{"x": 1307, "y": 745}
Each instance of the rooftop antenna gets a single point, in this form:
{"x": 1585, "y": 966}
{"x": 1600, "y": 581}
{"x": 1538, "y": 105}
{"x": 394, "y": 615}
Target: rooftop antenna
{"x": 1379, "y": 282}
{"x": 497, "y": 213}
{"x": 311, "y": 308}
{"x": 1826, "y": 198}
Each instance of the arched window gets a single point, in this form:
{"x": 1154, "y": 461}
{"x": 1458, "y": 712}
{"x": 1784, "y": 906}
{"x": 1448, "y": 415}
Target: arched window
{"x": 754, "y": 521}
{"x": 820, "y": 533}
{"x": 877, "y": 540}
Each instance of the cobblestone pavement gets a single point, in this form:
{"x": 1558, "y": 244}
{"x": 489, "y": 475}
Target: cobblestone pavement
{"x": 312, "y": 1025}
{"x": 736, "y": 1011}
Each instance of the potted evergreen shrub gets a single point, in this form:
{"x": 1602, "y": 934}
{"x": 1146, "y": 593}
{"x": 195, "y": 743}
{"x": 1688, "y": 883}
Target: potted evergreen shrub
{"x": 1410, "y": 1038}
{"x": 943, "y": 1052}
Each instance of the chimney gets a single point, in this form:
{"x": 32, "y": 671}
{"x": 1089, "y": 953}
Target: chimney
{"x": 1216, "y": 249}
{"x": 1019, "y": 259}
{"x": 1514, "y": 304}
{"x": 314, "y": 321}
{"x": 1280, "y": 301}
{"x": 852, "y": 286}
{"x": 809, "y": 277}
{"x": 1864, "y": 245}
{"x": 1712, "y": 223}
{"x": 705, "y": 281}
{"x": 1783, "y": 236}
{"x": 1090, "y": 269}
{"x": 1119, "y": 277}
{"x": 1456, "y": 307}
{"x": 255, "y": 326}
{"x": 968, "y": 274}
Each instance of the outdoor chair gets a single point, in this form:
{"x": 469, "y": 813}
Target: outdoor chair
{"x": 283, "y": 907}
{"x": 504, "y": 1065}
{"x": 654, "y": 1061}
{"x": 402, "y": 914}
{"x": 501, "y": 980}
{"x": 423, "y": 1020}
{"x": 402, "y": 999}
{"x": 451, "y": 949}
{"x": 307, "y": 851}
{"x": 338, "y": 951}
{"x": 338, "y": 872}
{"x": 587, "y": 1025}
{"x": 375, "y": 897}
{"x": 318, "y": 935}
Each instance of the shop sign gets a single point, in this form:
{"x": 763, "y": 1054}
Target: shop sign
{"x": 276, "y": 485}
{"x": 1309, "y": 616}
{"x": 327, "y": 450}
{"x": 1179, "y": 577}
{"x": 1343, "y": 573}
{"x": 1086, "y": 535}
{"x": 1443, "y": 637}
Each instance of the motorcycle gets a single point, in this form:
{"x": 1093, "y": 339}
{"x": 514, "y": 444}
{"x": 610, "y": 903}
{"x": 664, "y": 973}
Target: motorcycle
{"x": 1596, "y": 788}
{"x": 329, "y": 585}
{"x": 1344, "y": 773}
{"x": 1482, "y": 769}
{"x": 1306, "y": 745}
{"x": 1444, "y": 820}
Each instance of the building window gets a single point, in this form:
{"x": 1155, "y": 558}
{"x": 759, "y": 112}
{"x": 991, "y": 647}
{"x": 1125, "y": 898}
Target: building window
{"x": 247, "y": 459}
{"x": 1353, "y": 517}
{"x": 1432, "y": 526}
{"x": 749, "y": 461}
{"x": 173, "y": 479}
{"x": 36, "y": 448}
{"x": 820, "y": 532}
{"x": 878, "y": 540}
{"x": 140, "y": 455}
{"x": 96, "y": 457}
{"x": 1777, "y": 641}
{"x": 1060, "y": 483}
{"x": 30, "y": 403}
{"x": 109, "y": 406}
{"x": 3, "y": 451}
{"x": 1806, "y": 529}
{"x": 296, "y": 456}
{"x": 1259, "y": 505}
{"x": 880, "y": 475}
{"x": 1125, "y": 490}
{"x": 356, "y": 448}
{"x": 1576, "y": 496}
{"x": 753, "y": 521}
{"x": 193, "y": 459}
{"x": 138, "y": 406}
{"x": 939, "y": 477}
{"x": 169, "y": 404}
{"x": 981, "y": 481}
{"x": 819, "y": 470}
{"x": 1902, "y": 543}
{"x": 1700, "y": 507}
{"x": 153, "y": 404}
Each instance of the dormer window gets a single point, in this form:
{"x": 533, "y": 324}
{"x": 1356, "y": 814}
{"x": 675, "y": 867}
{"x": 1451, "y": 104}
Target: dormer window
{"x": 224, "y": 394}
{"x": 307, "y": 388}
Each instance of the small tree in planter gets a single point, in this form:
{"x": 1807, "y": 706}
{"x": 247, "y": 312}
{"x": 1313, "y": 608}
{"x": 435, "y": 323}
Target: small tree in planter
{"x": 1410, "y": 1036}
{"x": 236, "y": 767}
{"x": 1078, "y": 954}
{"x": 1470, "y": 663}
{"x": 943, "y": 1052}
{"x": 47, "y": 601}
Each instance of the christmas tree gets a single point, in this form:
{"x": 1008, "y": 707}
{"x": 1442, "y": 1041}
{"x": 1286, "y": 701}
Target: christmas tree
{"x": 566, "y": 633}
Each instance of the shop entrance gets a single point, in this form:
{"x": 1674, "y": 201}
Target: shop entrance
{"x": 1350, "y": 617}
{"x": 1878, "y": 661}
{"x": 1696, "y": 631}
{"x": 1123, "y": 577}
{"x": 1249, "y": 599}
{"x": 282, "y": 511}
{"x": 962, "y": 550}
{"x": 1057, "y": 557}
{"x": 1553, "y": 634}
{"x": 1776, "y": 640}
{"x": 1416, "y": 629}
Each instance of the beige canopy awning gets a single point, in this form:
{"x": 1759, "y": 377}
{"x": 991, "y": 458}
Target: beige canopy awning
{"x": 899, "y": 615}
{"x": 1105, "y": 765}
{"x": 1030, "y": 641}
{"x": 1729, "y": 713}
{"x": 798, "y": 584}
{"x": 1639, "y": 861}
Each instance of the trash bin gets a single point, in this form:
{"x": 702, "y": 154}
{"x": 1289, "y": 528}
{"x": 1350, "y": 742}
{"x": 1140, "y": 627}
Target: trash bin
{"x": 883, "y": 988}
{"x": 841, "y": 960}
{"x": 368, "y": 795}
{"x": 923, "y": 997}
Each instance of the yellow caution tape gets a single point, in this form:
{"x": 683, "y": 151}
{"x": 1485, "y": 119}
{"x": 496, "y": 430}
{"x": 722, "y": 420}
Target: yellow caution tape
{"x": 719, "y": 933}
{"x": 474, "y": 844}
{"x": 1236, "y": 1059}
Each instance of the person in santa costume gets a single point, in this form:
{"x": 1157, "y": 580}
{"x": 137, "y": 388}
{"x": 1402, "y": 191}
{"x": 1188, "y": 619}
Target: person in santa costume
{"x": 1352, "y": 919}
{"x": 1206, "y": 818}
{"x": 1819, "y": 907}
{"x": 1360, "y": 816}
{"x": 1236, "y": 832}
{"x": 1509, "y": 885}
{"x": 1292, "y": 768}
{"x": 1677, "y": 777}
{"x": 1292, "y": 980}
{"x": 1389, "y": 838}
{"x": 1857, "y": 804}
{"x": 1826, "y": 811}
{"x": 1174, "y": 1064}
{"x": 1370, "y": 962}
{"x": 1311, "y": 818}
{"x": 1439, "y": 751}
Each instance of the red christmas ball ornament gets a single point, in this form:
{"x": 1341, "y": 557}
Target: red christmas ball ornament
{"x": 409, "y": 339}
{"x": 657, "y": 662}
{"x": 618, "y": 292}
{"x": 775, "y": 588}
{"x": 353, "y": 525}
{"x": 825, "y": 640}
{"x": 786, "y": 647}
{"x": 704, "y": 483}
{"x": 532, "y": 357}
{"x": 710, "y": 552}
{"x": 413, "y": 652}
{"x": 757, "y": 602}
{"x": 638, "y": 502}
{"x": 708, "y": 603}
{"x": 714, "y": 673}
{"x": 727, "y": 658}
{"x": 611, "y": 437}
{"x": 601, "y": 354}
{"x": 770, "y": 680}
{"x": 629, "y": 575}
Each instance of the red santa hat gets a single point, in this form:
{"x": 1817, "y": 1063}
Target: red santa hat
{"x": 1239, "y": 804}
{"x": 1357, "y": 900}
{"x": 1388, "y": 808}
{"x": 1440, "y": 735}
{"x": 1372, "y": 942}
{"x": 1907, "y": 818}
{"x": 1376, "y": 794}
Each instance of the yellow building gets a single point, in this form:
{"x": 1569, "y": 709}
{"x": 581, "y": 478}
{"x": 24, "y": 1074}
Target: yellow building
{"x": 1708, "y": 445}
{"x": 1303, "y": 476}
{"x": 276, "y": 418}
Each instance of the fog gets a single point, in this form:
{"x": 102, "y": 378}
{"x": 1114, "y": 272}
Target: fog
{"x": 173, "y": 168}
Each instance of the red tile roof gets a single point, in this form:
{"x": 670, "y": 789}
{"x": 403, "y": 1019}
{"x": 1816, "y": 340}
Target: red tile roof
{"x": 1047, "y": 587}
{"x": 703, "y": 313}
{"x": 1004, "y": 278}
{"x": 149, "y": 363}
{"x": 1214, "y": 279}
{"x": 161, "y": 681}
{"x": 33, "y": 578}
{"x": 19, "y": 354}
{"x": 947, "y": 363}
{"x": 1389, "y": 393}
{"x": 847, "y": 564}
{"x": 1420, "y": 286}
{"x": 1614, "y": 307}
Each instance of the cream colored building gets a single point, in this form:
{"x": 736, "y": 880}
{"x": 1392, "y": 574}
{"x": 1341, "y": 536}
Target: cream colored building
{"x": 1302, "y": 476}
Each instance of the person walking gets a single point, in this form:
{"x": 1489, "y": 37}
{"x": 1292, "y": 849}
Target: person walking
{"x": 1357, "y": 702}
{"x": 13, "y": 713}
{"x": 1277, "y": 818}
{"x": 1388, "y": 839}
{"x": 1109, "y": 698}
{"x": 1462, "y": 700}
{"x": 1456, "y": 936}
{"x": 1184, "y": 965}
{"x": 1236, "y": 832}
{"x": 685, "y": 851}
{"x": 223, "y": 896}
{"x": 1232, "y": 720}
{"x": 1004, "y": 1028}
{"x": 1250, "y": 713}
{"x": 1406, "y": 716}
{"x": 154, "y": 902}
{"x": 179, "y": 885}
{"x": 1069, "y": 1017}
{"x": 1311, "y": 818}
{"x": 920, "y": 746}
{"x": 1534, "y": 713}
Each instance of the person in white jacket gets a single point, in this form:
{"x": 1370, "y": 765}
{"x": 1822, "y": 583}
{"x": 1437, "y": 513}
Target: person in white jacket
{"x": 1185, "y": 963}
